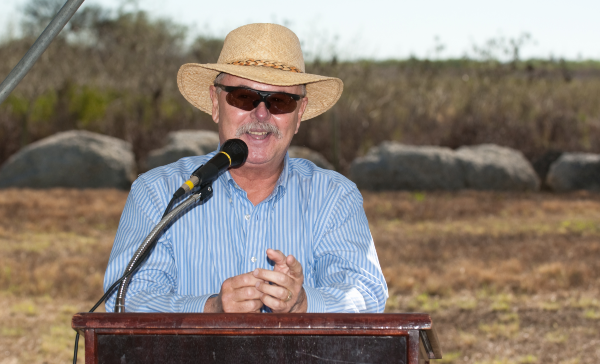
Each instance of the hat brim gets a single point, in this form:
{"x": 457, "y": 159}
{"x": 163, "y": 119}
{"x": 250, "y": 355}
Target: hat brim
{"x": 195, "y": 79}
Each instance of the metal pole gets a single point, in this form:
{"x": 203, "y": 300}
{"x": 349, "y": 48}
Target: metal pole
{"x": 33, "y": 54}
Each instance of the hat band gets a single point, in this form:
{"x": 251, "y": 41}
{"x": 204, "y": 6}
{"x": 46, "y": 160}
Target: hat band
{"x": 260, "y": 63}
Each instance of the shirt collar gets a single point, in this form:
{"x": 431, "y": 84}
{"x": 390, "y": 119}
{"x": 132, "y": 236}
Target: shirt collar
{"x": 280, "y": 186}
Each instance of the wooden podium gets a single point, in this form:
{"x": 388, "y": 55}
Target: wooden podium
{"x": 257, "y": 338}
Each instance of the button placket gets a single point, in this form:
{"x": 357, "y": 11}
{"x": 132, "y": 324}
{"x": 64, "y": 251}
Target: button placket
{"x": 250, "y": 253}
{"x": 256, "y": 248}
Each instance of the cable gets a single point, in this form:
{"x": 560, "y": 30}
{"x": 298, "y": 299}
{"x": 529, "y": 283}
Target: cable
{"x": 169, "y": 206}
{"x": 118, "y": 282}
{"x": 108, "y": 292}
{"x": 76, "y": 348}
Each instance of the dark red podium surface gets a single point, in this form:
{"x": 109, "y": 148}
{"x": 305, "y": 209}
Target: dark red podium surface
{"x": 257, "y": 338}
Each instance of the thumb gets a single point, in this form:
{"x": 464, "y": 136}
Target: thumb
{"x": 277, "y": 257}
{"x": 294, "y": 265}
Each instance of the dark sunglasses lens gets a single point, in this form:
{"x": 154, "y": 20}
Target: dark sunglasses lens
{"x": 281, "y": 104}
{"x": 242, "y": 99}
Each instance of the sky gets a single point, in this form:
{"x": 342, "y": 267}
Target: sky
{"x": 388, "y": 29}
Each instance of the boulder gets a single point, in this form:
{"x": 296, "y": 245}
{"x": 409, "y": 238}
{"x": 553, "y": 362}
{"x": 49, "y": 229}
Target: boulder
{"x": 491, "y": 167}
{"x": 75, "y": 158}
{"x": 575, "y": 171}
{"x": 313, "y": 156}
{"x": 183, "y": 143}
{"x": 395, "y": 166}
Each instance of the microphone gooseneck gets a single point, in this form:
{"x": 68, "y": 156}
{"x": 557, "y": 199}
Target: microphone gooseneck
{"x": 236, "y": 152}
{"x": 233, "y": 153}
{"x": 144, "y": 249}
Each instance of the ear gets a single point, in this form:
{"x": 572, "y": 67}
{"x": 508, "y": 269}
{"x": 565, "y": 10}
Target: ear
{"x": 214, "y": 97}
{"x": 303, "y": 104}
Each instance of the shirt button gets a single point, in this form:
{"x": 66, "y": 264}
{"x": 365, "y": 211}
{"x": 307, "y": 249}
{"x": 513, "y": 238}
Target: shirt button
{"x": 247, "y": 217}
{"x": 253, "y": 260}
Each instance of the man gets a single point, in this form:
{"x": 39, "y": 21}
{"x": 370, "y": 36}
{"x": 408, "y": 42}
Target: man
{"x": 278, "y": 234}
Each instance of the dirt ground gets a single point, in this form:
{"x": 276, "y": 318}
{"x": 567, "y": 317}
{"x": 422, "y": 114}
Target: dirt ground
{"x": 506, "y": 277}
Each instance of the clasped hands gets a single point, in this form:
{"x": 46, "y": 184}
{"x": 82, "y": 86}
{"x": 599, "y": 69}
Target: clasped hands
{"x": 280, "y": 289}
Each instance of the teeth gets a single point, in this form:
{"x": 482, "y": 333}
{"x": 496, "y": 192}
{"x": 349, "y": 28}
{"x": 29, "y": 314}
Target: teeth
{"x": 257, "y": 133}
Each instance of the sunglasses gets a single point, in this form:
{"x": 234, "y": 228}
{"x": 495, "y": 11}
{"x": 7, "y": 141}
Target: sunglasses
{"x": 248, "y": 99}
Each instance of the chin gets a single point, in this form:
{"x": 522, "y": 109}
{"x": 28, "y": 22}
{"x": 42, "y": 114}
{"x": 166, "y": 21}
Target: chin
{"x": 261, "y": 158}
{"x": 258, "y": 160}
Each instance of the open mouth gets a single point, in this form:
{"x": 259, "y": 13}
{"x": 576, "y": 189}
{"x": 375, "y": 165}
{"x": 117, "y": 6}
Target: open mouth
{"x": 258, "y": 131}
{"x": 258, "y": 135}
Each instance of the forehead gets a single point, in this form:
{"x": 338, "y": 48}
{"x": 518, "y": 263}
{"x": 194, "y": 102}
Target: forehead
{"x": 231, "y": 80}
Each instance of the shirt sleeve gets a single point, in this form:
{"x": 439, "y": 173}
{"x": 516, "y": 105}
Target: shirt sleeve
{"x": 152, "y": 288}
{"x": 346, "y": 268}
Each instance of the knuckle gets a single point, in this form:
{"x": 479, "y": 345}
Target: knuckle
{"x": 250, "y": 306}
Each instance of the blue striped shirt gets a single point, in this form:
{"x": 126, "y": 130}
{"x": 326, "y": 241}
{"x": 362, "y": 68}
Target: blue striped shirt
{"x": 314, "y": 214}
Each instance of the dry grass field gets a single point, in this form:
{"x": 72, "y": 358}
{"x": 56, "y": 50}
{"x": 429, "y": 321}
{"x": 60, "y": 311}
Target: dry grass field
{"x": 507, "y": 278}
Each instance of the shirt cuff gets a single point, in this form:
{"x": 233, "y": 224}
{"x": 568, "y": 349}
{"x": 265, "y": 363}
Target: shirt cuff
{"x": 315, "y": 301}
{"x": 196, "y": 303}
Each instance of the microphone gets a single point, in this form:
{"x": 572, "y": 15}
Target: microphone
{"x": 233, "y": 153}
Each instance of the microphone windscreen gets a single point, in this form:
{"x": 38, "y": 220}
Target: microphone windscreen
{"x": 237, "y": 151}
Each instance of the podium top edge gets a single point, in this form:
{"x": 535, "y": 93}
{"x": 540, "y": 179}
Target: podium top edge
{"x": 330, "y": 321}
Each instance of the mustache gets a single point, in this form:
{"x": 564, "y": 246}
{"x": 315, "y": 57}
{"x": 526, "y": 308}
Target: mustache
{"x": 258, "y": 126}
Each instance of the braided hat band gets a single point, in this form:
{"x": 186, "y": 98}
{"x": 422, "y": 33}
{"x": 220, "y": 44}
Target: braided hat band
{"x": 260, "y": 52}
{"x": 258, "y": 62}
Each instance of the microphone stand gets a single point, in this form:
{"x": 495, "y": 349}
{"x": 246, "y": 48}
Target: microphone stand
{"x": 150, "y": 241}
{"x": 144, "y": 250}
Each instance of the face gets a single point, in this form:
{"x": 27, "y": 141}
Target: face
{"x": 268, "y": 136}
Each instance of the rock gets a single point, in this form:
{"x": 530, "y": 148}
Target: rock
{"x": 491, "y": 167}
{"x": 313, "y": 156}
{"x": 75, "y": 158}
{"x": 395, "y": 166}
{"x": 575, "y": 171}
{"x": 183, "y": 143}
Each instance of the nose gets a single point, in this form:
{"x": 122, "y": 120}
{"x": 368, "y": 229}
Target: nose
{"x": 261, "y": 111}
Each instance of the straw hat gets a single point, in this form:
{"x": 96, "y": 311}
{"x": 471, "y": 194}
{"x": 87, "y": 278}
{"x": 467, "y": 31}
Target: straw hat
{"x": 266, "y": 53}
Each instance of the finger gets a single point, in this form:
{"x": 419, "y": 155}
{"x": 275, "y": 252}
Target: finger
{"x": 279, "y": 259}
{"x": 252, "y": 306}
{"x": 276, "y": 256}
{"x": 275, "y": 304}
{"x": 246, "y": 294}
{"x": 243, "y": 280}
{"x": 278, "y": 292}
{"x": 294, "y": 265}
{"x": 246, "y": 306}
{"x": 277, "y": 278}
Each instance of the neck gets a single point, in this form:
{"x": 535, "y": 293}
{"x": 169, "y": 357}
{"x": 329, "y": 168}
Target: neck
{"x": 257, "y": 180}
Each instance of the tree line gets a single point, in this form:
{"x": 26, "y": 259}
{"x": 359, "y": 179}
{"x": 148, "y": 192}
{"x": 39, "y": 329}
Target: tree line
{"x": 114, "y": 72}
